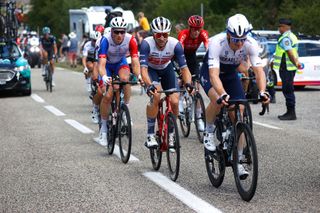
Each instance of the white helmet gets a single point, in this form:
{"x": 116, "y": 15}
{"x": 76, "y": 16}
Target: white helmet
{"x": 118, "y": 22}
{"x": 238, "y": 25}
{"x": 94, "y": 35}
{"x": 160, "y": 25}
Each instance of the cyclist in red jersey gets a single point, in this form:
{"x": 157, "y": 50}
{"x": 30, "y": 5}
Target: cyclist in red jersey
{"x": 191, "y": 39}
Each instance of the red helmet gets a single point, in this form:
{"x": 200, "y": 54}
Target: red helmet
{"x": 195, "y": 21}
{"x": 99, "y": 28}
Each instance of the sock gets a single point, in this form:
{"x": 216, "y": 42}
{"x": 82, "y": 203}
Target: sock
{"x": 151, "y": 123}
{"x": 103, "y": 125}
{"x": 210, "y": 127}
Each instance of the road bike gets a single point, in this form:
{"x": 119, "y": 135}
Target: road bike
{"x": 119, "y": 121}
{"x": 48, "y": 76}
{"x": 166, "y": 124}
{"x": 192, "y": 103}
{"x": 236, "y": 146}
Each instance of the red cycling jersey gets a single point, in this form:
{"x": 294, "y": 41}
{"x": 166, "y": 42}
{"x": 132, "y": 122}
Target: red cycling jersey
{"x": 191, "y": 45}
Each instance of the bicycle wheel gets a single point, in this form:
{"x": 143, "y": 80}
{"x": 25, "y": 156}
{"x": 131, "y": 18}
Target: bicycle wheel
{"x": 156, "y": 154}
{"x": 199, "y": 117}
{"x": 173, "y": 151}
{"x": 111, "y": 132}
{"x": 185, "y": 118}
{"x": 124, "y": 133}
{"x": 246, "y": 184}
{"x": 215, "y": 162}
{"x": 50, "y": 78}
{"x": 247, "y": 116}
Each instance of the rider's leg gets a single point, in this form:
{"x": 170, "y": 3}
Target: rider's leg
{"x": 124, "y": 74}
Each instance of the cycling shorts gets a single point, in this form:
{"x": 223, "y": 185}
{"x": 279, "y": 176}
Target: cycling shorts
{"x": 166, "y": 76}
{"x": 229, "y": 78}
{"x": 193, "y": 65}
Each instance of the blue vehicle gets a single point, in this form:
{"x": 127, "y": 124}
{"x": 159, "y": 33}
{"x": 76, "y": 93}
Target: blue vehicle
{"x": 15, "y": 72}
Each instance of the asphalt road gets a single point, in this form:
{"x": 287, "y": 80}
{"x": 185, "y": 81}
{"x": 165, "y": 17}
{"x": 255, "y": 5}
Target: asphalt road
{"x": 47, "y": 165}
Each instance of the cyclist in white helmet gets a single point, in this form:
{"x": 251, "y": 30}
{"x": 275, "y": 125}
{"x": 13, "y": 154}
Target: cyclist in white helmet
{"x": 112, "y": 61}
{"x": 219, "y": 76}
{"x": 156, "y": 53}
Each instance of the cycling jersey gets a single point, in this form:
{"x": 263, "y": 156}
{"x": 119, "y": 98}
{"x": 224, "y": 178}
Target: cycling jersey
{"x": 191, "y": 45}
{"x": 151, "y": 56}
{"x": 47, "y": 44}
{"x": 89, "y": 51}
{"x": 115, "y": 52}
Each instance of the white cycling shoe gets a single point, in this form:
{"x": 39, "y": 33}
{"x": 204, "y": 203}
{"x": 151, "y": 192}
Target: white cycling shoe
{"x": 243, "y": 174}
{"x": 151, "y": 141}
{"x": 208, "y": 141}
{"x": 95, "y": 116}
{"x": 200, "y": 125}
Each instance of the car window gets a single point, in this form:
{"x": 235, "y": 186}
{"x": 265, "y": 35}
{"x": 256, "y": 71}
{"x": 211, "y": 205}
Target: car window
{"x": 302, "y": 51}
{"x": 8, "y": 51}
{"x": 272, "y": 47}
{"x": 313, "y": 49}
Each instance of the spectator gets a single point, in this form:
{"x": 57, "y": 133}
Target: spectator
{"x": 144, "y": 27}
{"x": 63, "y": 51}
{"x": 73, "y": 49}
{"x": 179, "y": 27}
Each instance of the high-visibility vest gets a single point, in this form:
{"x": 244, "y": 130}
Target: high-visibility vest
{"x": 279, "y": 52}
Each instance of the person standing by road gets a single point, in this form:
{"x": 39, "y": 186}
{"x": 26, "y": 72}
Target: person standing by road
{"x": 73, "y": 49}
{"x": 286, "y": 62}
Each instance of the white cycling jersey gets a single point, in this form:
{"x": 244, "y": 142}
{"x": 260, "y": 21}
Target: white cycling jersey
{"x": 219, "y": 51}
{"x": 88, "y": 48}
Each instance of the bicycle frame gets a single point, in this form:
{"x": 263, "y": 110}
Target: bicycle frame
{"x": 163, "y": 129}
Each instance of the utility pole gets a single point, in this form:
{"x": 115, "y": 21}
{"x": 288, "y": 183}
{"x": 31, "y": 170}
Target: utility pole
{"x": 201, "y": 9}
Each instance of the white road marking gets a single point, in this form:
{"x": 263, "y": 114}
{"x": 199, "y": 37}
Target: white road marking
{"x": 54, "y": 110}
{"x": 194, "y": 202}
{"x": 116, "y": 151}
{"x": 79, "y": 126}
{"x": 37, "y": 98}
{"x": 266, "y": 125}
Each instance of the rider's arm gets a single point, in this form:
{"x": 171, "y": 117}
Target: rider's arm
{"x": 144, "y": 54}
{"x": 286, "y": 44}
{"x": 182, "y": 37}
{"x": 102, "y": 54}
{"x": 204, "y": 35}
{"x": 133, "y": 48}
{"x": 84, "y": 56}
{"x": 178, "y": 52}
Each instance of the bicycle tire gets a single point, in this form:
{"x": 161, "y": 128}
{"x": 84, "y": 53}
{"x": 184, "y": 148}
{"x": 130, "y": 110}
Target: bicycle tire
{"x": 173, "y": 152}
{"x": 50, "y": 77}
{"x": 198, "y": 98}
{"x": 124, "y": 130}
{"x": 184, "y": 119}
{"x": 246, "y": 187}
{"x": 111, "y": 131}
{"x": 156, "y": 154}
{"x": 247, "y": 116}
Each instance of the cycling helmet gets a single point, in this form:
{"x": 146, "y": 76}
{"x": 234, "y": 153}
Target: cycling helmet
{"x": 195, "y": 21}
{"x": 99, "y": 28}
{"x": 94, "y": 35}
{"x": 238, "y": 25}
{"x": 46, "y": 30}
{"x": 160, "y": 25}
{"x": 118, "y": 22}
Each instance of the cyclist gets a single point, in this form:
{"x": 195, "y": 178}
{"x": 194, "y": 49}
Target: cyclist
{"x": 155, "y": 57}
{"x": 97, "y": 96}
{"x": 191, "y": 39}
{"x": 112, "y": 61}
{"x": 219, "y": 76}
{"x": 88, "y": 59}
{"x": 49, "y": 49}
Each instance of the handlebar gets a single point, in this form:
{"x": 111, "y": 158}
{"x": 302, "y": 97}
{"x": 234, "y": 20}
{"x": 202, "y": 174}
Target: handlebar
{"x": 265, "y": 107}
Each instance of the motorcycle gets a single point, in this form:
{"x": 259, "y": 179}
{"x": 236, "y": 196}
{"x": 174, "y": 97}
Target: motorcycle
{"x": 33, "y": 52}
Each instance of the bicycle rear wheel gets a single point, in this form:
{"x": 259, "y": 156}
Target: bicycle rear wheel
{"x": 124, "y": 133}
{"x": 155, "y": 153}
{"x": 199, "y": 117}
{"x": 185, "y": 118}
{"x": 173, "y": 151}
{"x": 246, "y": 184}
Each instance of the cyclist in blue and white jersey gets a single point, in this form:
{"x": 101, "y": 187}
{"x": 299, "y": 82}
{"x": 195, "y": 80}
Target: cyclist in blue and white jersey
{"x": 219, "y": 76}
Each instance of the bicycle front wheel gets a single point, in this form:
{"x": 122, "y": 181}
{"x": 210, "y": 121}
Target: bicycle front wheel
{"x": 155, "y": 153}
{"x": 185, "y": 117}
{"x": 245, "y": 165}
{"x": 173, "y": 151}
{"x": 111, "y": 134}
{"x": 124, "y": 133}
{"x": 200, "y": 116}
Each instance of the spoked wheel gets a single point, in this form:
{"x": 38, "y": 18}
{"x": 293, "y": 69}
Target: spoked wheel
{"x": 156, "y": 154}
{"x": 111, "y": 134}
{"x": 248, "y": 161}
{"x": 185, "y": 118}
{"x": 49, "y": 78}
{"x": 124, "y": 133}
{"x": 247, "y": 116}
{"x": 200, "y": 116}
{"x": 173, "y": 151}
{"x": 215, "y": 165}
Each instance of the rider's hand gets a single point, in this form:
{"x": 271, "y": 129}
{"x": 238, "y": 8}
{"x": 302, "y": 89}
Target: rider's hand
{"x": 189, "y": 87}
{"x": 223, "y": 99}
{"x": 140, "y": 80}
{"x": 85, "y": 70}
{"x": 151, "y": 89}
{"x": 264, "y": 96}
{"x": 106, "y": 80}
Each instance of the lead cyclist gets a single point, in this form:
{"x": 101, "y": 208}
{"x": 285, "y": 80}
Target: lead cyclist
{"x": 219, "y": 76}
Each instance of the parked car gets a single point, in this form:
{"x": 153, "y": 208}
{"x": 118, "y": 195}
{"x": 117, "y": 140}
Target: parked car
{"x": 15, "y": 72}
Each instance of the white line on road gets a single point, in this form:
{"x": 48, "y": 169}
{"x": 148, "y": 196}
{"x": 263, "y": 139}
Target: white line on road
{"x": 54, "y": 110}
{"x": 194, "y": 202}
{"x": 78, "y": 126}
{"x": 37, "y": 98}
{"x": 266, "y": 125}
{"x": 116, "y": 151}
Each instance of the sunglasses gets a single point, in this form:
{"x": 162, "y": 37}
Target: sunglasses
{"x": 236, "y": 40}
{"x": 164, "y": 35}
{"x": 119, "y": 32}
